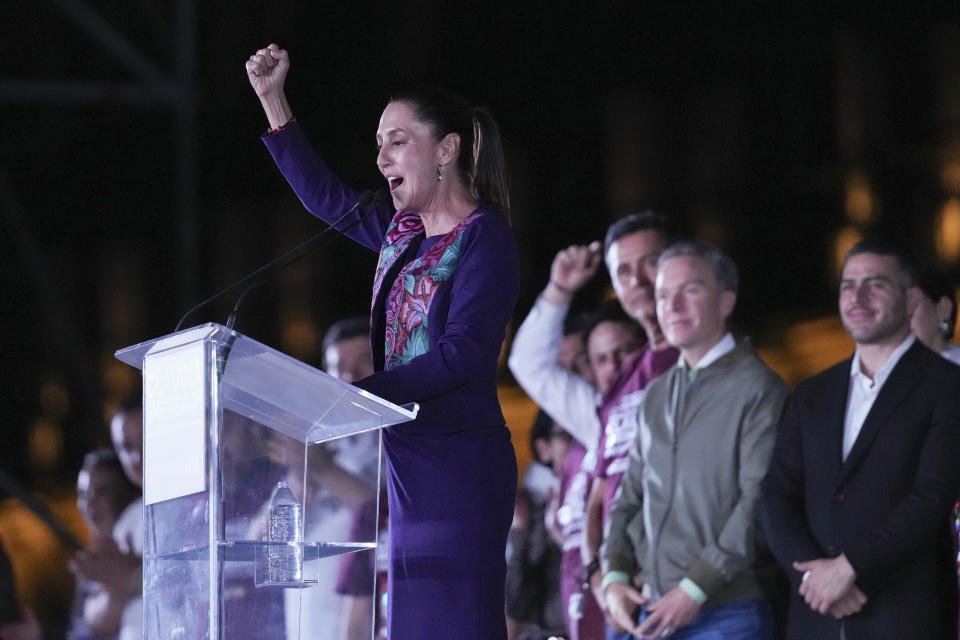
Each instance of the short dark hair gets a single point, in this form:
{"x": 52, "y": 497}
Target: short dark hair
{"x": 345, "y": 329}
{"x": 723, "y": 266}
{"x": 106, "y": 458}
{"x": 575, "y": 323}
{"x": 935, "y": 285}
{"x": 610, "y": 311}
{"x": 906, "y": 268}
{"x": 647, "y": 220}
{"x": 542, "y": 429}
{"x": 131, "y": 402}
{"x": 542, "y": 426}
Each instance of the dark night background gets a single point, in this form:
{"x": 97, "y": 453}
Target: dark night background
{"x": 769, "y": 129}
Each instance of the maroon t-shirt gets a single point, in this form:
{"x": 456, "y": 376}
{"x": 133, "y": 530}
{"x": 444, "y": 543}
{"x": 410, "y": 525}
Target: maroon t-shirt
{"x": 583, "y": 616}
{"x": 620, "y": 414}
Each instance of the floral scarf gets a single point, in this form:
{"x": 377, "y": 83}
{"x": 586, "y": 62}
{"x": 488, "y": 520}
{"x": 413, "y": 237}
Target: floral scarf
{"x": 408, "y": 304}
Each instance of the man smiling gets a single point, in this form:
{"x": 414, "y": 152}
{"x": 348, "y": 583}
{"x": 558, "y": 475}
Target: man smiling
{"x": 681, "y": 526}
{"x": 604, "y": 423}
{"x": 856, "y": 505}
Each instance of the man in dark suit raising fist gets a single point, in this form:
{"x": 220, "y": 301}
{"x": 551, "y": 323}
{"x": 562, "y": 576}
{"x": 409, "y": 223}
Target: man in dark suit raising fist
{"x": 856, "y": 504}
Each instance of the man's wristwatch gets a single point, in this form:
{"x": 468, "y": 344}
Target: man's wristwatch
{"x": 589, "y": 570}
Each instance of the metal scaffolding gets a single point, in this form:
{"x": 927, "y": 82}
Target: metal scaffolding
{"x": 152, "y": 87}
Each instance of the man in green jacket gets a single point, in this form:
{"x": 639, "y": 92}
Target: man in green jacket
{"x": 681, "y": 544}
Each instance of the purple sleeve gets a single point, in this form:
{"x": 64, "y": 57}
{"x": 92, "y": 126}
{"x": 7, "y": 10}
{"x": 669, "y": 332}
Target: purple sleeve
{"x": 319, "y": 189}
{"x": 483, "y": 292}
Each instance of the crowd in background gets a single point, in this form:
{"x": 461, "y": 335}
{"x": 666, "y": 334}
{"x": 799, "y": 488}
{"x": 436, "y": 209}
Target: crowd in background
{"x": 679, "y": 489}
{"x": 107, "y": 604}
{"x": 682, "y": 491}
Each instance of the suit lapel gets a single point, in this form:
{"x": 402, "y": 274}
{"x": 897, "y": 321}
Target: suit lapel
{"x": 835, "y": 412}
{"x": 904, "y": 377}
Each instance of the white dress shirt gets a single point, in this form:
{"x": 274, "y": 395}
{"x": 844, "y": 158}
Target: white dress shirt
{"x": 952, "y": 353}
{"x": 864, "y": 391}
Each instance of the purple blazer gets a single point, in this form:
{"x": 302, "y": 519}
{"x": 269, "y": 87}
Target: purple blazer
{"x": 454, "y": 379}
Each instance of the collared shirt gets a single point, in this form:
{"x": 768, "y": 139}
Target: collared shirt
{"x": 952, "y": 353}
{"x": 724, "y": 346}
{"x": 864, "y": 391}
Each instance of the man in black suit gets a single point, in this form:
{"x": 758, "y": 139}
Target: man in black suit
{"x": 856, "y": 504}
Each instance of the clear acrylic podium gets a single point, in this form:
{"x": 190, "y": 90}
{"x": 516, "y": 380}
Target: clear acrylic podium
{"x": 225, "y": 420}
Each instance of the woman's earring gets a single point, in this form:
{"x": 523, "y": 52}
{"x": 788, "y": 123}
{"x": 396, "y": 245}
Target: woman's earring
{"x": 440, "y": 169}
{"x": 944, "y": 326}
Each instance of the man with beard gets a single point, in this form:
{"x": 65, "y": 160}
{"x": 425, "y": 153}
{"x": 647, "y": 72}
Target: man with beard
{"x": 857, "y": 501}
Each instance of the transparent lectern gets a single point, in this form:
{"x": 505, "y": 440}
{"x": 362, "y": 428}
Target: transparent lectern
{"x": 262, "y": 481}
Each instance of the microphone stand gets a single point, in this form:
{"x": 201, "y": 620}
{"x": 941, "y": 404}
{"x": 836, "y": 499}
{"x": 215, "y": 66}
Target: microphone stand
{"x": 281, "y": 262}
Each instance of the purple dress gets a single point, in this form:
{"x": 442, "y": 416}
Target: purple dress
{"x": 619, "y": 413}
{"x": 440, "y": 308}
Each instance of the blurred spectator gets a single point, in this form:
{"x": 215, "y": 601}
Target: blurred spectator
{"x": 115, "y": 562}
{"x": 103, "y": 492}
{"x": 534, "y": 605}
{"x": 333, "y": 497}
{"x": 347, "y": 354}
{"x": 248, "y": 477}
{"x": 935, "y": 316}
{"x": 933, "y": 322}
{"x": 572, "y": 354}
{"x": 344, "y": 475}
{"x": 583, "y": 613}
{"x": 339, "y": 505}
{"x": 613, "y": 342}
{"x": 603, "y": 424}
{"x": 632, "y": 247}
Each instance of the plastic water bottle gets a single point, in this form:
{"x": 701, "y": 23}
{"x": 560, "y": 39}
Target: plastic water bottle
{"x": 285, "y": 524}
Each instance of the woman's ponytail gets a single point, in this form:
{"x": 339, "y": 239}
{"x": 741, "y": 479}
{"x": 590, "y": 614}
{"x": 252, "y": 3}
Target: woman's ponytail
{"x": 488, "y": 175}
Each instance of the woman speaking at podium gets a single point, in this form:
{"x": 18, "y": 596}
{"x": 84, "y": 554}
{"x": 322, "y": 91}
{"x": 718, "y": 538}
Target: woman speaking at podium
{"x": 443, "y": 293}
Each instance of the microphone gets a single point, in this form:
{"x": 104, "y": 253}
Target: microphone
{"x": 281, "y": 262}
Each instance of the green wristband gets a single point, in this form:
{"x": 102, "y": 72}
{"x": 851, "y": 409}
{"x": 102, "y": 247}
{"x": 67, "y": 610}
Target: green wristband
{"x": 690, "y": 588}
{"x": 614, "y": 576}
